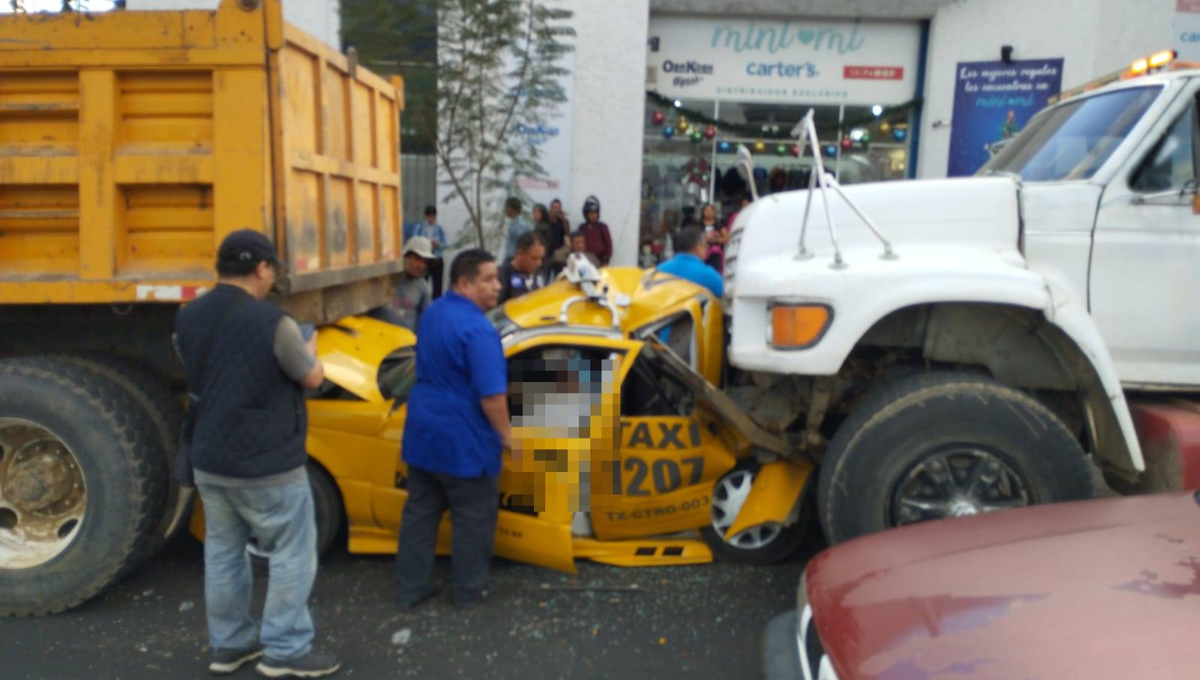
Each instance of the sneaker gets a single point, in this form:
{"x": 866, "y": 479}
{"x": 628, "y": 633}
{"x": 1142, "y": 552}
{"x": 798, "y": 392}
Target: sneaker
{"x": 226, "y": 661}
{"x": 311, "y": 665}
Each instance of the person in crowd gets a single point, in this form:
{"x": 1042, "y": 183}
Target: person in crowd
{"x": 550, "y": 232}
{"x": 457, "y": 427}
{"x": 599, "y": 240}
{"x": 689, "y": 217}
{"x": 558, "y": 218}
{"x": 525, "y": 271}
{"x": 413, "y": 294}
{"x": 248, "y": 364}
{"x": 715, "y": 236}
{"x": 433, "y": 231}
{"x": 517, "y": 225}
{"x": 744, "y": 200}
{"x": 688, "y": 262}
{"x": 558, "y": 246}
{"x": 579, "y": 245}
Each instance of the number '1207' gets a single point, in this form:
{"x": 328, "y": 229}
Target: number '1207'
{"x": 666, "y": 474}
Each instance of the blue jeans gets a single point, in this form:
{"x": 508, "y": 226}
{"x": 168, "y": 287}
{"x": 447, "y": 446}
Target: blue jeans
{"x": 281, "y": 519}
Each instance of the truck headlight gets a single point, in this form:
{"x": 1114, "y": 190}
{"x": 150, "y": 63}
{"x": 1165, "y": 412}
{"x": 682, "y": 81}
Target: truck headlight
{"x": 797, "y": 326}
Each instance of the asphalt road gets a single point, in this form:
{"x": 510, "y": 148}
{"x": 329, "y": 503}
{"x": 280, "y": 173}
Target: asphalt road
{"x": 604, "y": 622}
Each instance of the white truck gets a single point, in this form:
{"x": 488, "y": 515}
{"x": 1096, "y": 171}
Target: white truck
{"x": 951, "y": 347}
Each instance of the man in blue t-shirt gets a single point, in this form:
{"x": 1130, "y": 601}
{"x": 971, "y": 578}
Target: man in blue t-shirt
{"x": 456, "y": 429}
{"x": 688, "y": 262}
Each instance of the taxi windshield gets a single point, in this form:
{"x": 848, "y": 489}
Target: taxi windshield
{"x": 1072, "y": 141}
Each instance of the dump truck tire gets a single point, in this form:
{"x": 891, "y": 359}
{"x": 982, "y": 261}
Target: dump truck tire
{"x": 76, "y": 425}
{"x": 943, "y": 445}
{"x": 163, "y": 409}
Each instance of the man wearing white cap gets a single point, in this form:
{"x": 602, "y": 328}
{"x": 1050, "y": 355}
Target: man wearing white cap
{"x": 413, "y": 293}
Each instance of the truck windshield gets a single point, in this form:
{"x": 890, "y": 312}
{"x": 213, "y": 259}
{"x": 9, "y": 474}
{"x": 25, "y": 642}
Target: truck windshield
{"x": 1073, "y": 140}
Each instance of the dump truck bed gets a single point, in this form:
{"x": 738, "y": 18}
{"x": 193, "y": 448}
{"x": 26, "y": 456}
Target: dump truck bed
{"x": 131, "y": 143}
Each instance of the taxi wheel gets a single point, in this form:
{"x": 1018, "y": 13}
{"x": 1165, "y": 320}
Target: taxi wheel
{"x": 761, "y": 545}
{"x": 327, "y": 505}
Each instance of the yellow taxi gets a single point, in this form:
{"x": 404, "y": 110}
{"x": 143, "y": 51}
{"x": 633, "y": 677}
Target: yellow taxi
{"x": 624, "y": 450}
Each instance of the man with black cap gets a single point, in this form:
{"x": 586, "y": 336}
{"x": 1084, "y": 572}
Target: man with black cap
{"x": 247, "y": 365}
{"x": 433, "y": 231}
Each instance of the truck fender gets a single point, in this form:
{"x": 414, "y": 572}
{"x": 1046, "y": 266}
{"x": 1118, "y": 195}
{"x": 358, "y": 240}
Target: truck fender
{"x": 775, "y": 495}
{"x": 943, "y": 276}
{"x": 1069, "y": 313}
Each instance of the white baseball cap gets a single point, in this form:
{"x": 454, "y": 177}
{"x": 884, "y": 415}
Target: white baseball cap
{"x": 419, "y": 245}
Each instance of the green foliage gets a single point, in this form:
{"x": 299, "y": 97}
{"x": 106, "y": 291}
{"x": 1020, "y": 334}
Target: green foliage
{"x": 474, "y": 70}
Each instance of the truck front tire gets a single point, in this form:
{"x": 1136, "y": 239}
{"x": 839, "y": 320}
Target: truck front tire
{"x": 70, "y": 438}
{"x": 943, "y": 445}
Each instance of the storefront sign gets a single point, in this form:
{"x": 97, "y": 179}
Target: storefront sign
{"x": 993, "y": 101}
{"x": 552, "y": 139}
{"x": 783, "y": 61}
{"x": 1185, "y": 30}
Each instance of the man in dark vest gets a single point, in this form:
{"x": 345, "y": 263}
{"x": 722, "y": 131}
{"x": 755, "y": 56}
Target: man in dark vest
{"x": 247, "y": 366}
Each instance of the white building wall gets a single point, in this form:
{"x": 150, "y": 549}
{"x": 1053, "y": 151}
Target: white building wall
{"x": 1093, "y": 37}
{"x": 609, "y": 109}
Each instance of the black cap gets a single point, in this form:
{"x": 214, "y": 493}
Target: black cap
{"x": 247, "y": 245}
{"x": 430, "y": 210}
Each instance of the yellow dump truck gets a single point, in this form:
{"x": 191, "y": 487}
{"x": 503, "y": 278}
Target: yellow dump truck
{"x": 131, "y": 143}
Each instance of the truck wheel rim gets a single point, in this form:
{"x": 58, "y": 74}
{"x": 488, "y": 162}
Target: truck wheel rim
{"x": 728, "y": 498}
{"x": 956, "y": 483}
{"x": 43, "y": 496}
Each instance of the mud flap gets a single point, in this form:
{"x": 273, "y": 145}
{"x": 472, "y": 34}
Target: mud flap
{"x": 774, "y": 497}
{"x": 1170, "y": 436}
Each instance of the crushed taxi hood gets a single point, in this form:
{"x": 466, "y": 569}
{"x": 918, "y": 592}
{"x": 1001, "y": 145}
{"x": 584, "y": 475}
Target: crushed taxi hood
{"x": 640, "y": 296}
{"x": 353, "y": 348}
{"x": 1098, "y": 589}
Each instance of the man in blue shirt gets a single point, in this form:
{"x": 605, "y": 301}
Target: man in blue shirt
{"x": 688, "y": 262}
{"x": 456, "y": 429}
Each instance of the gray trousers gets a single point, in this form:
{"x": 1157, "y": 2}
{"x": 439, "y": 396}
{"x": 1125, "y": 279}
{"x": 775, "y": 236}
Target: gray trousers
{"x": 473, "y": 504}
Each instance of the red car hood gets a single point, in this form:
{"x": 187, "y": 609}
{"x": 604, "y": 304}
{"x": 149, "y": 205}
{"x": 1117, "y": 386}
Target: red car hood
{"x": 1097, "y": 590}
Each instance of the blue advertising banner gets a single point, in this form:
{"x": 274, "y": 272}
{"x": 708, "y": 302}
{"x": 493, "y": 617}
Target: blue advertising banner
{"x": 993, "y": 101}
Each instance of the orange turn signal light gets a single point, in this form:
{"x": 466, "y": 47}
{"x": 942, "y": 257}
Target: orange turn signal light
{"x": 798, "y": 326}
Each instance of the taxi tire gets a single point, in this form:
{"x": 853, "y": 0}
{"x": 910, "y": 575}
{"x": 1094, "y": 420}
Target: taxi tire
{"x": 786, "y": 543}
{"x": 328, "y": 508}
{"x": 896, "y": 425}
{"x": 327, "y": 503}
